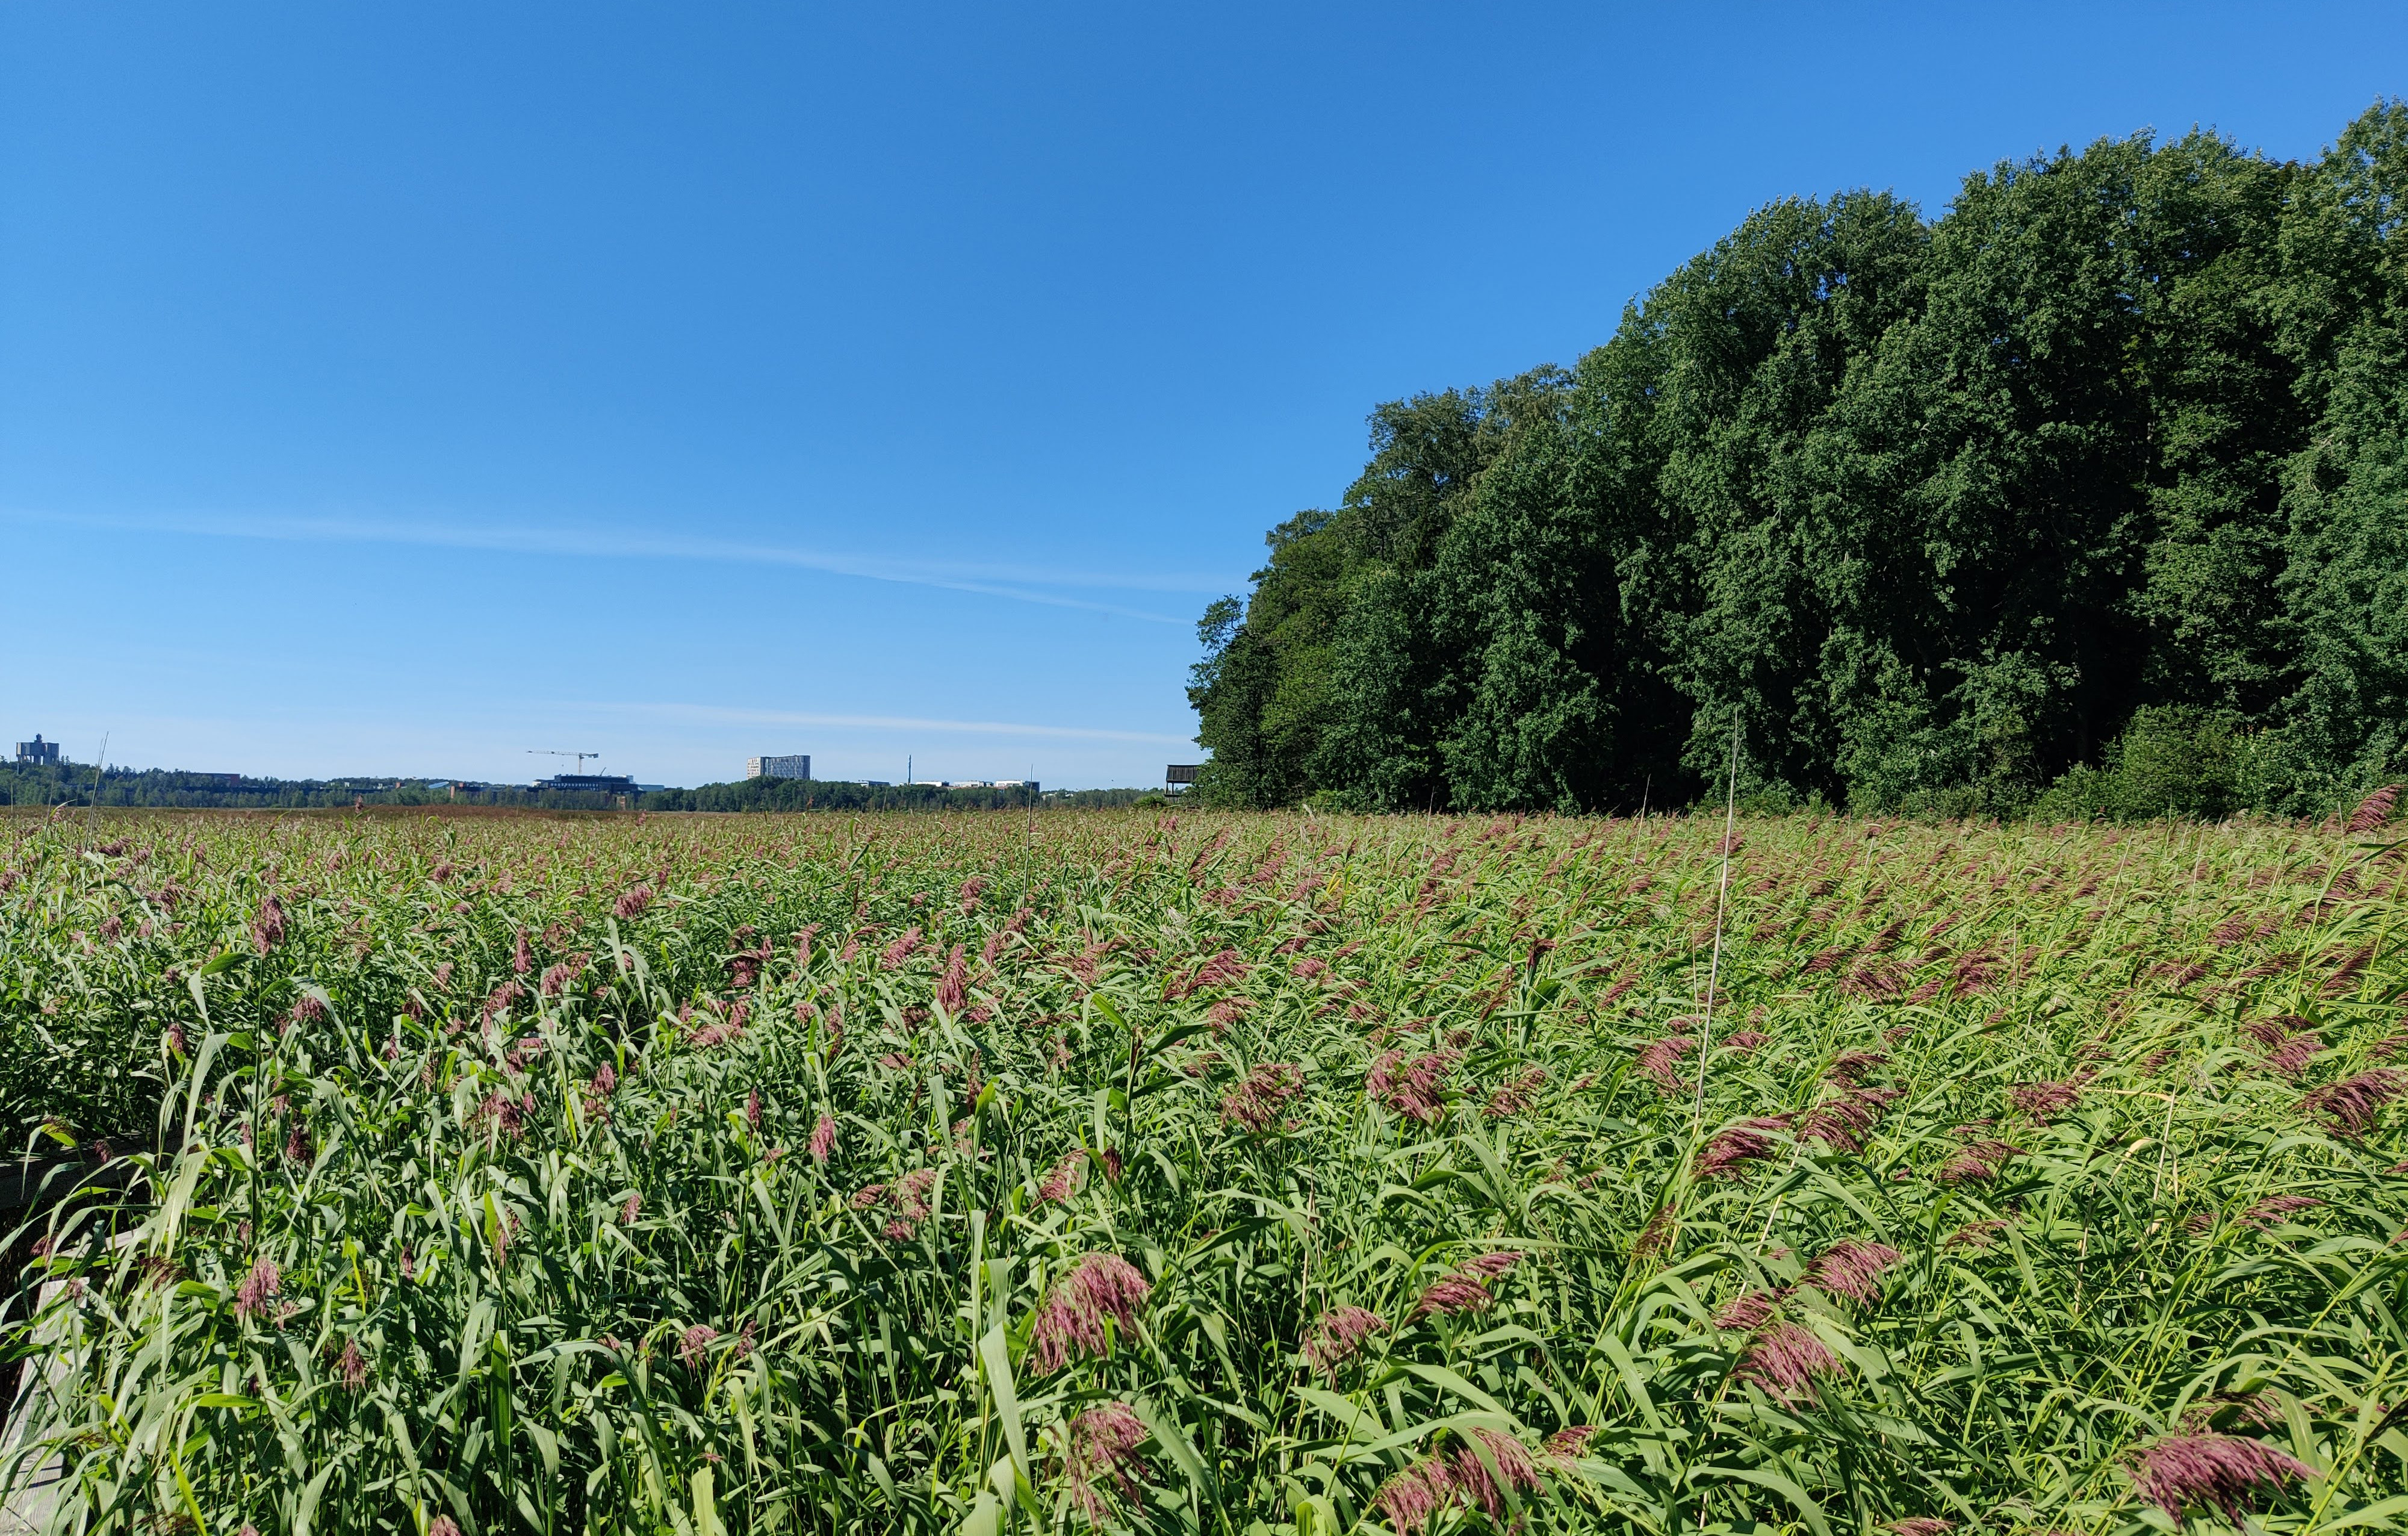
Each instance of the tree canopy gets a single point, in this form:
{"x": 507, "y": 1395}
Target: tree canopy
{"x": 1930, "y": 513}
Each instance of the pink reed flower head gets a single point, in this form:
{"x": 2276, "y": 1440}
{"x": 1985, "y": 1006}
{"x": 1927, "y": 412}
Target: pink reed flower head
{"x": 631, "y": 902}
{"x": 1786, "y": 1361}
{"x": 1921, "y": 1525}
{"x": 911, "y": 1193}
{"x": 2373, "y": 811}
{"x": 822, "y": 1139}
{"x": 1657, "y": 1235}
{"x": 1414, "y": 1497}
{"x": 1070, "y": 1320}
{"x": 258, "y": 1288}
{"x": 1568, "y": 1441}
{"x": 1258, "y": 1102}
{"x": 1412, "y": 1088}
{"x": 1103, "y": 1448}
{"x": 1843, "y": 1122}
{"x": 442, "y": 1525}
{"x": 694, "y": 1341}
{"x": 1223, "y": 969}
{"x": 351, "y": 1366}
{"x": 1747, "y": 1313}
{"x": 267, "y": 923}
{"x": 1853, "y": 1066}
{"x": 1515, "y": 1472}
{"x": 752, "y": 1109}
{"x": 900, "y": 951}
{"x": 952, "y": 988}
{"x": 1489, "y": 1265}
{"x": 2254, "y": 1408}
{"x": 506, "y": 1116}
{"x": 1852, "y": 1268}
{"x": 1980, "y": 1162}
{"x": 1338, "y": 1336}
{"x": 2354, "y": 1103}
{"x": 1517, "y": 1096}
{"x": 1659, "y": 1061}
{"x": 1728, "y": 1152}
{"x": 1976, "y": 1235}
{"x": 2292, "y": 1054}
{"x": 521, "y": 957}
{"x": 2270, "y": 1031}
{"x": 2225, "y": 1471}
{"x": 2267, "y": 1213}
{"x": 2043, "y": 1100}
{"x": 1452, "y": 1296}
{"x": 1063, "y": 1179}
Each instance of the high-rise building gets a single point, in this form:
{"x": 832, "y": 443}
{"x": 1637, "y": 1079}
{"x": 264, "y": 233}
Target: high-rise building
{"x": 792, "y": 766}
{"x": 38, "y": 753}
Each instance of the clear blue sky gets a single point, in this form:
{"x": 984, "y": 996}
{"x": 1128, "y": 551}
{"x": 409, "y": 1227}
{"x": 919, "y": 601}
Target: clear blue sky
{"x": 395, "y": 388}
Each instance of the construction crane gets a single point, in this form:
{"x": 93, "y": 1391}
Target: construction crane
{"x": 581, "y": 757}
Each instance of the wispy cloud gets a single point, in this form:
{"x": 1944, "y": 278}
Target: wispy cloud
{"x": 1019, "y": 583}
{"x": 877, "y": 722}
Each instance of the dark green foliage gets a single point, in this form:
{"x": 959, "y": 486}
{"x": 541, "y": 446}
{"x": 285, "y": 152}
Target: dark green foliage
{"x": 76, "y": 785}
{"x": 833, "y": 794}
{"x": 80, "y": 785}
{"x": 1928, "y": 510}
{"x": 2173, "y": 760}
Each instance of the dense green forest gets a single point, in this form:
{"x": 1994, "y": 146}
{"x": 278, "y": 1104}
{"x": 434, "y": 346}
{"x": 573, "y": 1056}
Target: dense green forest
{"x": 2089, "y": 497}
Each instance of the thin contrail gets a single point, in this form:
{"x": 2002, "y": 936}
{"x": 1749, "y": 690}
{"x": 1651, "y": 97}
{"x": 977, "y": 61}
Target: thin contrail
{"x": 994, "y": 580}
{"x": 874, "y": 722}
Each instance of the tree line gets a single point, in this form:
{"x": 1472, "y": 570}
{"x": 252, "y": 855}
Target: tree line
{"x": 82, "y": 785}
{"x": 836, "y": 794}
{"x": 2091, "y": 495}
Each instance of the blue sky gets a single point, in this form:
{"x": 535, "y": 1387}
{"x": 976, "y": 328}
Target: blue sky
{"x": 396, "y": 389}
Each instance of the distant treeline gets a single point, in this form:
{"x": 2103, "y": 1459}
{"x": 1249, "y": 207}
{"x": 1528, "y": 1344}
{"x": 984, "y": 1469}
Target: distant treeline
{"x": 76, "y": 783}
{"x": 826, "y": 795}
{"x": 2090, "y": 496}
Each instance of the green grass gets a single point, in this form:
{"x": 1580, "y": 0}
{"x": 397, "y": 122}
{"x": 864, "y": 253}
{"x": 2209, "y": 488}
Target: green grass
{"x": 512, "y": 1299}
